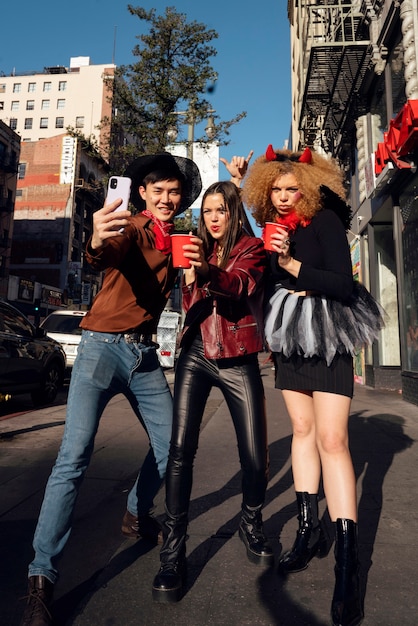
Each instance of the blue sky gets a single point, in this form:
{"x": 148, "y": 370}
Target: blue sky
{"x": 253, "y": 59}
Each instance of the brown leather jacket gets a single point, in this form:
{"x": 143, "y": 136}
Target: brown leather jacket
{"x": 227, "y": 305}
{"x": 137, "y": 282}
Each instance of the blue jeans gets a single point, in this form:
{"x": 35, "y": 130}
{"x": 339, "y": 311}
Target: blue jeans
{"x": 106, "y": 365}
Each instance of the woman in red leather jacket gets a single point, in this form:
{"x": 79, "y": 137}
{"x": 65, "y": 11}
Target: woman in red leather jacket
{"x": 223, "y": 332}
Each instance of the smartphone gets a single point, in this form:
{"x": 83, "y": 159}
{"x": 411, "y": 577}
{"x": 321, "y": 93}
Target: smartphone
{"x": 119, "y": 187}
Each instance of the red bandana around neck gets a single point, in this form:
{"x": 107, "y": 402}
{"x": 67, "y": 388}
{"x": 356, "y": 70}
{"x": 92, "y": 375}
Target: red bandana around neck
{"x": 162, "y": 231}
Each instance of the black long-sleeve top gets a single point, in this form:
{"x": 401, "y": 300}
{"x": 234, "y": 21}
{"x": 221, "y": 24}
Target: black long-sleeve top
{"x": 323, "y": 250}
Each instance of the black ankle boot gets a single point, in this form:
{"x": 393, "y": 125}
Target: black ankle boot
{"x": 310, "y": 540}
{"x": 37, "y": 612}
{"x": 346, "y": 608}
{"x": 251, "y": 533}
{"x": 169, "y": 582}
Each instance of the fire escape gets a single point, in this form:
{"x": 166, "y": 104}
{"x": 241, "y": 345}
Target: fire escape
{"x": 334, "y": 64}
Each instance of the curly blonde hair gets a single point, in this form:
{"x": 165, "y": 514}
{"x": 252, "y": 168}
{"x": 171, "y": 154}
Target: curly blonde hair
{"x": 310, "y": 177}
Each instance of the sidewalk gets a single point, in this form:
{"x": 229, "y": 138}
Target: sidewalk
{"x": 106, "y": 579}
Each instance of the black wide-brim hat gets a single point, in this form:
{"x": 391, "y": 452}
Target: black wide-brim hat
{"x": 169, "y": 165}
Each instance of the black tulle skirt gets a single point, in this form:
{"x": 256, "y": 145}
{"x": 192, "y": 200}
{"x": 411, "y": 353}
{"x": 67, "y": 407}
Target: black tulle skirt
{"x": 318, "y": 326}
{"x": 315, "y": 337}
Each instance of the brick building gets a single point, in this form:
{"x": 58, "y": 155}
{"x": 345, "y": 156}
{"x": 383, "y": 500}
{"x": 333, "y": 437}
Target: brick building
{"x": 59, "y": 187}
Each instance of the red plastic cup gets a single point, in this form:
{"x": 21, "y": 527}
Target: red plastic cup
{"x": 269, "y": 229}
{"x": 178, "y": 240}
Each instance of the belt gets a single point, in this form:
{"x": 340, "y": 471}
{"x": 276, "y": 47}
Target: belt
{"x": 138, "y": 338}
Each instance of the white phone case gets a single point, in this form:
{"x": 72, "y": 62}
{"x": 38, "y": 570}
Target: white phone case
{"x": 119, "y": 187}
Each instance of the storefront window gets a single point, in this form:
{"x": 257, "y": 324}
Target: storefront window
{"x": 386, "y": 285}
{"x": 378, "y": 112}
{"x": 408, "y": 202}
{"x": 368, "y": 352}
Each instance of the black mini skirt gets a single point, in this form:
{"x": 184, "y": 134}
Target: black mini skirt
{"x": 298, "y": 373}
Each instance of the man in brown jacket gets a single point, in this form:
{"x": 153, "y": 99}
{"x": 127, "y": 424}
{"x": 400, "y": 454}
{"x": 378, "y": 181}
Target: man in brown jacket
{"x": 117, "y": 355}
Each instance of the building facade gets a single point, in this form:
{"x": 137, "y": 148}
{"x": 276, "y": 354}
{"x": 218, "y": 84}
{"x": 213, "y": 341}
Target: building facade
{"x": 59, "y": 187}
{"x": 58, "y": 183}
{"x": 38, "y": 105}
{"x": 355, "y": 97}
{"x": 9, "y": 159}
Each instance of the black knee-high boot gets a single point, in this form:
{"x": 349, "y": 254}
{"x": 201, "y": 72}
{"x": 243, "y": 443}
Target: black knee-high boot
{"x": 252, "y": 535}
{"x": 346, "y": 608}
{"x": 310, "y": 540}
{"x": 168, "y": 583}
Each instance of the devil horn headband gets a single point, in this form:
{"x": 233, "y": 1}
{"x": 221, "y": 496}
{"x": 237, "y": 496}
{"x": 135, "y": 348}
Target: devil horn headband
{"x": 305, "y": 157}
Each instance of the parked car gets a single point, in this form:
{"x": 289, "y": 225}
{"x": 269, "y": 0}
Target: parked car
{"x": 63, "y": 326}
{"x": 30, "y": 361}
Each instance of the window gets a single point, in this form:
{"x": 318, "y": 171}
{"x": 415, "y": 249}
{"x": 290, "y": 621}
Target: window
{"x": 17, "y": 87}
{"x": 2, "y": 87}
{"x": 45, "y": 104}
{"x": 79, "y": 121}
{"x": 28, "y": 123}
{"x": 31, "y": 87}
{"x": 59, "y": 122}
{"x": 21, "y": 171}
{"x": 13, "y": 123}
{"x": 43, "y": 122}
{"x": 397, "y": 77}
{"x": 47, "y": 86}
{"x": 408, "y": 202}
{"x": 1, "y": 106}
{"x": 30, "y": 105}
{"x": 19, "y": 193}
{"x": 62, "y": 85}
{"x": 60, "y": 103}
{"x": 15, "y": 105}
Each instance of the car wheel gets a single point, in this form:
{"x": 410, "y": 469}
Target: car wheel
{"x": 52, "y": 381}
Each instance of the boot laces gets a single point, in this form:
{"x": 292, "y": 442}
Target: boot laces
{"x": 36, "y": 606}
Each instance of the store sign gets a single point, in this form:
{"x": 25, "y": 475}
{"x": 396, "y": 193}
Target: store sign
{"x": 68, "y": 160}
{"x": 52, "y": 297}
{"x": 25, "y": 290}
{"x": 400, "y": 140}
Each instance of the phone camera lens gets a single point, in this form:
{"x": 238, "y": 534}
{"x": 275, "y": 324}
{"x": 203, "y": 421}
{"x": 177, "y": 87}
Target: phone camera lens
{"x": 113, "y": 183}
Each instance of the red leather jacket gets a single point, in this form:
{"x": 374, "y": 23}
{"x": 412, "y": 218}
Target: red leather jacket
{"x": 227, "y": 305}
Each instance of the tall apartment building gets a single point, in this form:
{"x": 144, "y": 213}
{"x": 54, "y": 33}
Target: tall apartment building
{"x": 355, "y": 97}
{"x": 38, "y": 105}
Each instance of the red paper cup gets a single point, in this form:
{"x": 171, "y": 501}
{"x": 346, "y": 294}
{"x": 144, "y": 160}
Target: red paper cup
{"x": 269, "y": 229}
{"x": 178, "y": 240}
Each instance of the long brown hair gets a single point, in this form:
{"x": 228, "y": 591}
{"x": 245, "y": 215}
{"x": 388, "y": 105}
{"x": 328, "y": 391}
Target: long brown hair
{"x": 236, "y": 223}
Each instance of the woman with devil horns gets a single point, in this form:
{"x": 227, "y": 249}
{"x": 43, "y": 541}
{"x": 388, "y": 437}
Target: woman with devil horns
{"x": 316, "y": 317}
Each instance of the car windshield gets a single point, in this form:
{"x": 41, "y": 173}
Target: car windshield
{"x": 68, "y": 325}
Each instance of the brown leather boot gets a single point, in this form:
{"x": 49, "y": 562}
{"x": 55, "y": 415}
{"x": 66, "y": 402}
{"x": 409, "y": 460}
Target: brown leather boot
{"x": 145, "y": 526}
{"x": 37, "y": 612}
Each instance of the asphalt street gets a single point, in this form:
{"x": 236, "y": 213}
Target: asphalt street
{"x": 106, "y": 579}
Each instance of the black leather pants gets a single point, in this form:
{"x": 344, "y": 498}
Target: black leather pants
{"x": 240, "y": 381}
